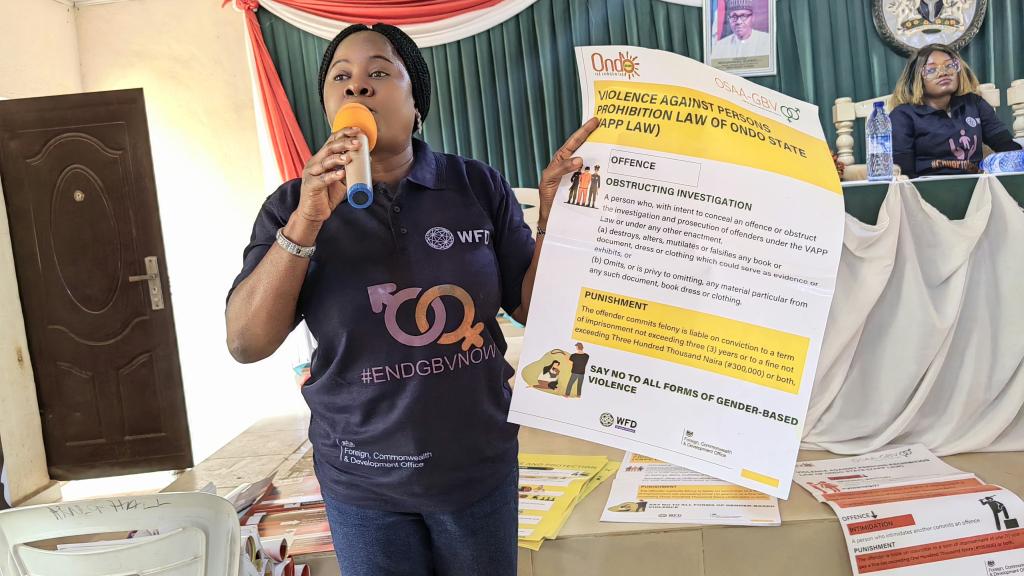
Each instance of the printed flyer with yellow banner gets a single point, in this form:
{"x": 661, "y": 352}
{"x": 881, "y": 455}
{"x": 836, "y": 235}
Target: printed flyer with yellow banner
{"x": 550, "y": 486}
{"x": 687, "y": 271}
{"x": 652, "y": 491}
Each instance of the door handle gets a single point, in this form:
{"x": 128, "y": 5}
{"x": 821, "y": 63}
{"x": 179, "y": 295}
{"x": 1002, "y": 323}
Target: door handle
{"x": 152, "y": 276}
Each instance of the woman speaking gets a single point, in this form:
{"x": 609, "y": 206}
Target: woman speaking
{"x": 409, "y": 389}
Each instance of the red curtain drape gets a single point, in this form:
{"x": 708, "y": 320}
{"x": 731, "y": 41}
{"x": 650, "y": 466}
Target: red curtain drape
{"x": 720, "y": 20}
{"x": 395, "y": 12}
{"x": 290, "y": 148}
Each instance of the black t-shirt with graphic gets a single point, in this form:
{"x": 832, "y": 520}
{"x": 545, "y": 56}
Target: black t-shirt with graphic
{"x": 409, "y": 389}
{"x": 579, "y": 362}
{"x": 930, "y": 142}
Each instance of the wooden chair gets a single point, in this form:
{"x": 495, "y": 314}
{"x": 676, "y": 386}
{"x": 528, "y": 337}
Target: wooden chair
{"x": 845, "y": 113}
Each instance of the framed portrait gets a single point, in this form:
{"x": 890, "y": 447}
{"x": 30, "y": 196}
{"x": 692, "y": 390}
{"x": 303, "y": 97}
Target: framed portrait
{"x": 907, "y": 25}
{"x": 739, "y": 36}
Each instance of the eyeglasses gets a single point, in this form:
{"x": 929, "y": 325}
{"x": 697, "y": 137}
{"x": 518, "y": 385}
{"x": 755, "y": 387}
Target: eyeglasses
{"x": 741, "y": 17}
{"x": 930, "y": 72}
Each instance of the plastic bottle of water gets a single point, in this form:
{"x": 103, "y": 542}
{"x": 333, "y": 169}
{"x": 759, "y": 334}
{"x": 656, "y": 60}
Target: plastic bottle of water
{"x": 879, "y": 143}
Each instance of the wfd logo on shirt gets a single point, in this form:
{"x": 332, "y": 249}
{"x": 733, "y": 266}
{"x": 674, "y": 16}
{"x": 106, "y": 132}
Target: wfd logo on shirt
{"x": 384, "y": 298}
{"x": 441, "y": 238}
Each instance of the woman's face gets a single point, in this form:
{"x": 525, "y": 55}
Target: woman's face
{"x": 941, "y": 75}
{"x": 366, "y": 69}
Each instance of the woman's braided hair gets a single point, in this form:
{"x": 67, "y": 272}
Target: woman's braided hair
{"x": 407, "y": 50}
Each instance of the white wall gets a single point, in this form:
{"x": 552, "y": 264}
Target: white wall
{"x": 20, "y": 427}
{"x": 189, "y": 57}
{"x": 39, "y": 51}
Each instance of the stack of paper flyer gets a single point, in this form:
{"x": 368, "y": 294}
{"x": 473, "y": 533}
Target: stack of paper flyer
{"x": 288, "y": 521}
{"x": 267, "y": 556}
{"x": 649, "y": 490}
{"x": 550, "y": 486}
{"x": 904, "y": 512}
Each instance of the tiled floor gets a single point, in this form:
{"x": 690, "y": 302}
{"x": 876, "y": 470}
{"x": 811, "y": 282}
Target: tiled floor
{"x": 269, "y": 445}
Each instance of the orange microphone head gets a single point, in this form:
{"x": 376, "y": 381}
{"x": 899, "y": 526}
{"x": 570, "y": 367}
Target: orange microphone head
{"x": 355, "y": 115}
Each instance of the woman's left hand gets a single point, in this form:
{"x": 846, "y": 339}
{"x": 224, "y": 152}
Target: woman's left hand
{"x": 562, "y": 163}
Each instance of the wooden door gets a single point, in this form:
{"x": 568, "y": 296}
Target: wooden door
{"x": 81, "y": 200}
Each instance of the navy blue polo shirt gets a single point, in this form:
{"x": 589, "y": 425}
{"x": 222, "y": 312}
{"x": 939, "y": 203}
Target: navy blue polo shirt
{"x": 930, "y": 142}
{"x": 409, "y": 389}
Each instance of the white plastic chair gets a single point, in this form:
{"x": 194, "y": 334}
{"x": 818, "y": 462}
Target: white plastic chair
{"x": 198, "y": 537}
{"x": 529, "y": 198}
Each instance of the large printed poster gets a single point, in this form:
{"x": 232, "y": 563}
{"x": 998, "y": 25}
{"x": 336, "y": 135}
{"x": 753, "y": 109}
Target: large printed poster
{"x": 687, "y": 271}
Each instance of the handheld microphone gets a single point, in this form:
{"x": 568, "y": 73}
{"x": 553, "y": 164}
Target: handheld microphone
{"x": 357, "y": 173}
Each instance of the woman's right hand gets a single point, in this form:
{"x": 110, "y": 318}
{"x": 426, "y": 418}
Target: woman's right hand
{"x": 323, "y": 178}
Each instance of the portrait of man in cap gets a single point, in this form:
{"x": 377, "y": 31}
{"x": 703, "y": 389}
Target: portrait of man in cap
{"x": 739, "y": 36}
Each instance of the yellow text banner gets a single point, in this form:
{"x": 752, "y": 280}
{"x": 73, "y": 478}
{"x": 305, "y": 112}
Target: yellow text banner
{"x": 693, "y": 123}
{"x": 748, "y": 352}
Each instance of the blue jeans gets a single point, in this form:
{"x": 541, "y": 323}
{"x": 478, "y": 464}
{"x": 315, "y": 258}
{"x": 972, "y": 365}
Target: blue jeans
{"x": 479, "y": 539}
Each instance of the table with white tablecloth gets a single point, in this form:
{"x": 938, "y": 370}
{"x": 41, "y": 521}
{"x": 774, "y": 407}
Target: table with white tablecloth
{"x": 925, "y": 339}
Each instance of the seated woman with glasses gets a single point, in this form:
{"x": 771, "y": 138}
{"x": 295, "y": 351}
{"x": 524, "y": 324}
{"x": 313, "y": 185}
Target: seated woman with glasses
{"x": 939, "y": 122}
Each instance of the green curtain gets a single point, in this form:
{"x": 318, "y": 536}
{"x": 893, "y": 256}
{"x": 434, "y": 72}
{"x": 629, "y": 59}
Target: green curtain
{"x": 831, "y": 49}
{"x": 509, "y": 96}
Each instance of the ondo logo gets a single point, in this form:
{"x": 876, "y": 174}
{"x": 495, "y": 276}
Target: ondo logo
{"x": 624, "y": 65}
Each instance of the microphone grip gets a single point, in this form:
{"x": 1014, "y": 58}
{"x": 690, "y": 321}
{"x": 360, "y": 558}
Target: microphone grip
{"x": 357, "y": 175}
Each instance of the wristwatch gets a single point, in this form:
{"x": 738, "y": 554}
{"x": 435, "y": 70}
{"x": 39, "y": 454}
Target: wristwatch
{"x": 293, "y": 248}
